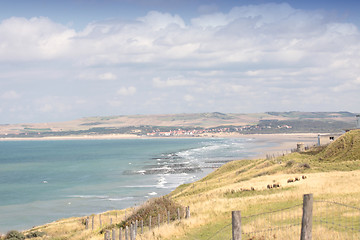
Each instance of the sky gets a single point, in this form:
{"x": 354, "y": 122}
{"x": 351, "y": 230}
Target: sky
{"x": 63, "y": 60}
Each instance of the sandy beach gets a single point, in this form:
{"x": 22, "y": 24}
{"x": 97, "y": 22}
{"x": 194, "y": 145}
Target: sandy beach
{"x": 284, "y": 143}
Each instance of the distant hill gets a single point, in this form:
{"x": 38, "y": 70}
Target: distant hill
{"x": 203, "y": 123}
{"x": 310, "y": 115}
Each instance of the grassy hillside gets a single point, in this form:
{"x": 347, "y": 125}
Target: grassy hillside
{"x": 332, "y": 173}
{"x": 346, "y": 148}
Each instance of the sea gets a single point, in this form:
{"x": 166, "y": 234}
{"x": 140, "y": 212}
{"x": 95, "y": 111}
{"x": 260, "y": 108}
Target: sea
{"x": 45, "y": 180}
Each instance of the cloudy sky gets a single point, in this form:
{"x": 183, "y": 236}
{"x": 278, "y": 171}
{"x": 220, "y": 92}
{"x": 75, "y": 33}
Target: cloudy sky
{"x": 62, "y": 60}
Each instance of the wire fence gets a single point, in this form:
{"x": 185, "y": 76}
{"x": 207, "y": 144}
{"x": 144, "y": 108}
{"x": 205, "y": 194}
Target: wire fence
{"x": 330, "y": 220}
{"x": 277, "y": 224}
{"x": 340, "y": 221}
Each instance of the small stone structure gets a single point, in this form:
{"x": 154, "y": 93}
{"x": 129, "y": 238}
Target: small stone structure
{"x": 324, "y": 139}
{"x": 300, "y": 147}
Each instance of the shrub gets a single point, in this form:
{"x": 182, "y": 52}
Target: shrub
{"x": 14, "y": 235}
{"x": 304, "y": 165}
{"x": 289, "y": 163}
{"x": 35, "y": 234}
{"x": 152, "y": 208}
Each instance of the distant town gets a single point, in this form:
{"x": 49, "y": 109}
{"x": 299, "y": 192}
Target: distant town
{"x": 262, "y": 127}
{"x": 197, "y": 132}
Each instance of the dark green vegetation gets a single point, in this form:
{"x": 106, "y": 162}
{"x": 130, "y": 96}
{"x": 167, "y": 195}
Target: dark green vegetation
{"x": 154, "y": 207}
{"x": 15, "y": 235}
{"x": 295, "y": 114}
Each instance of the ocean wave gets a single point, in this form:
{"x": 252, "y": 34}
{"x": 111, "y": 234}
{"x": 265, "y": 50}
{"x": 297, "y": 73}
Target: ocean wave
{"x": 161, "y": 182}
{"x": 139, "y": 186}
{"x": 101, "y": 197}
{"x": 89, "y": 196}
{"x": 120, "y": 199}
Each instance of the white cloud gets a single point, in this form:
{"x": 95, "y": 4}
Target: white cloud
{"x": 346, "y": 86}
{"x": 55, "y": 104}
{"x": 172, "y": 82}
{"x": 94, "y": 76}
{"x": 10, "y": 95}
{"x": 267, "y": 56}
{"x": 46, "y": 107}
{"x": 127, "y": 91}
{"x": 188, "y": 98}
{"x": 115, "y": 103}
{"x": 32, "y": 39}
{"x": 107, "y": 76}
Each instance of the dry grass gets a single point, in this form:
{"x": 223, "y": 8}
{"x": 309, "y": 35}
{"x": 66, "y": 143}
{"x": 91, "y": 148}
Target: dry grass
{"x": 211, "y": 209}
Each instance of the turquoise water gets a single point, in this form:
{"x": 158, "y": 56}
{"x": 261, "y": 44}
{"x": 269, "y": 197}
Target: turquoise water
{"x": 42, "y": 181}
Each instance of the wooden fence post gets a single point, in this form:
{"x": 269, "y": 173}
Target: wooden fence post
{"x": 158, "y": 220}
{"x": 168, "y": 217}
{"x": 178, "y": 214}
{"x": 126, "y": 233}
{"x": 150, "y": 223}
{"x": 131, "y": 231}
{"x": 107, "y": 235}
{"x": 142, "y": 226}
{"x": 236, "y": 225}
{"x": 100, "y": 220}
{"x": 113, "y": 234}
{"x": 136, "y": 226}
{"x": 306, "y": 223}
{"x": 120, "y": 234}
{"x": 87, "y": 223}
{"x": 187, "y": 214}
{"x": 92, "y": 222}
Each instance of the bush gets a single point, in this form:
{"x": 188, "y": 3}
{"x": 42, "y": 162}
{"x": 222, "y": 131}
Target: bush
{"x": 304, "y": 165}
{"x": 289, "y": 163}
{"x": 35, "y": 234}
{"x": 14, "y": 235}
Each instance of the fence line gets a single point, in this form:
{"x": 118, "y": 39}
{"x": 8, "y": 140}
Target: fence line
{"x": 313, "y": 219}
{"x": 340, "y": 218}
{"x": 130, "y": 232}
{"x": 267, "y": 224}
{"x": 318, "y": 219}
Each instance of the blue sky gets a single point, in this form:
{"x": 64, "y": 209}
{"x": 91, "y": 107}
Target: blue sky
{"x": 61, "y": 60}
